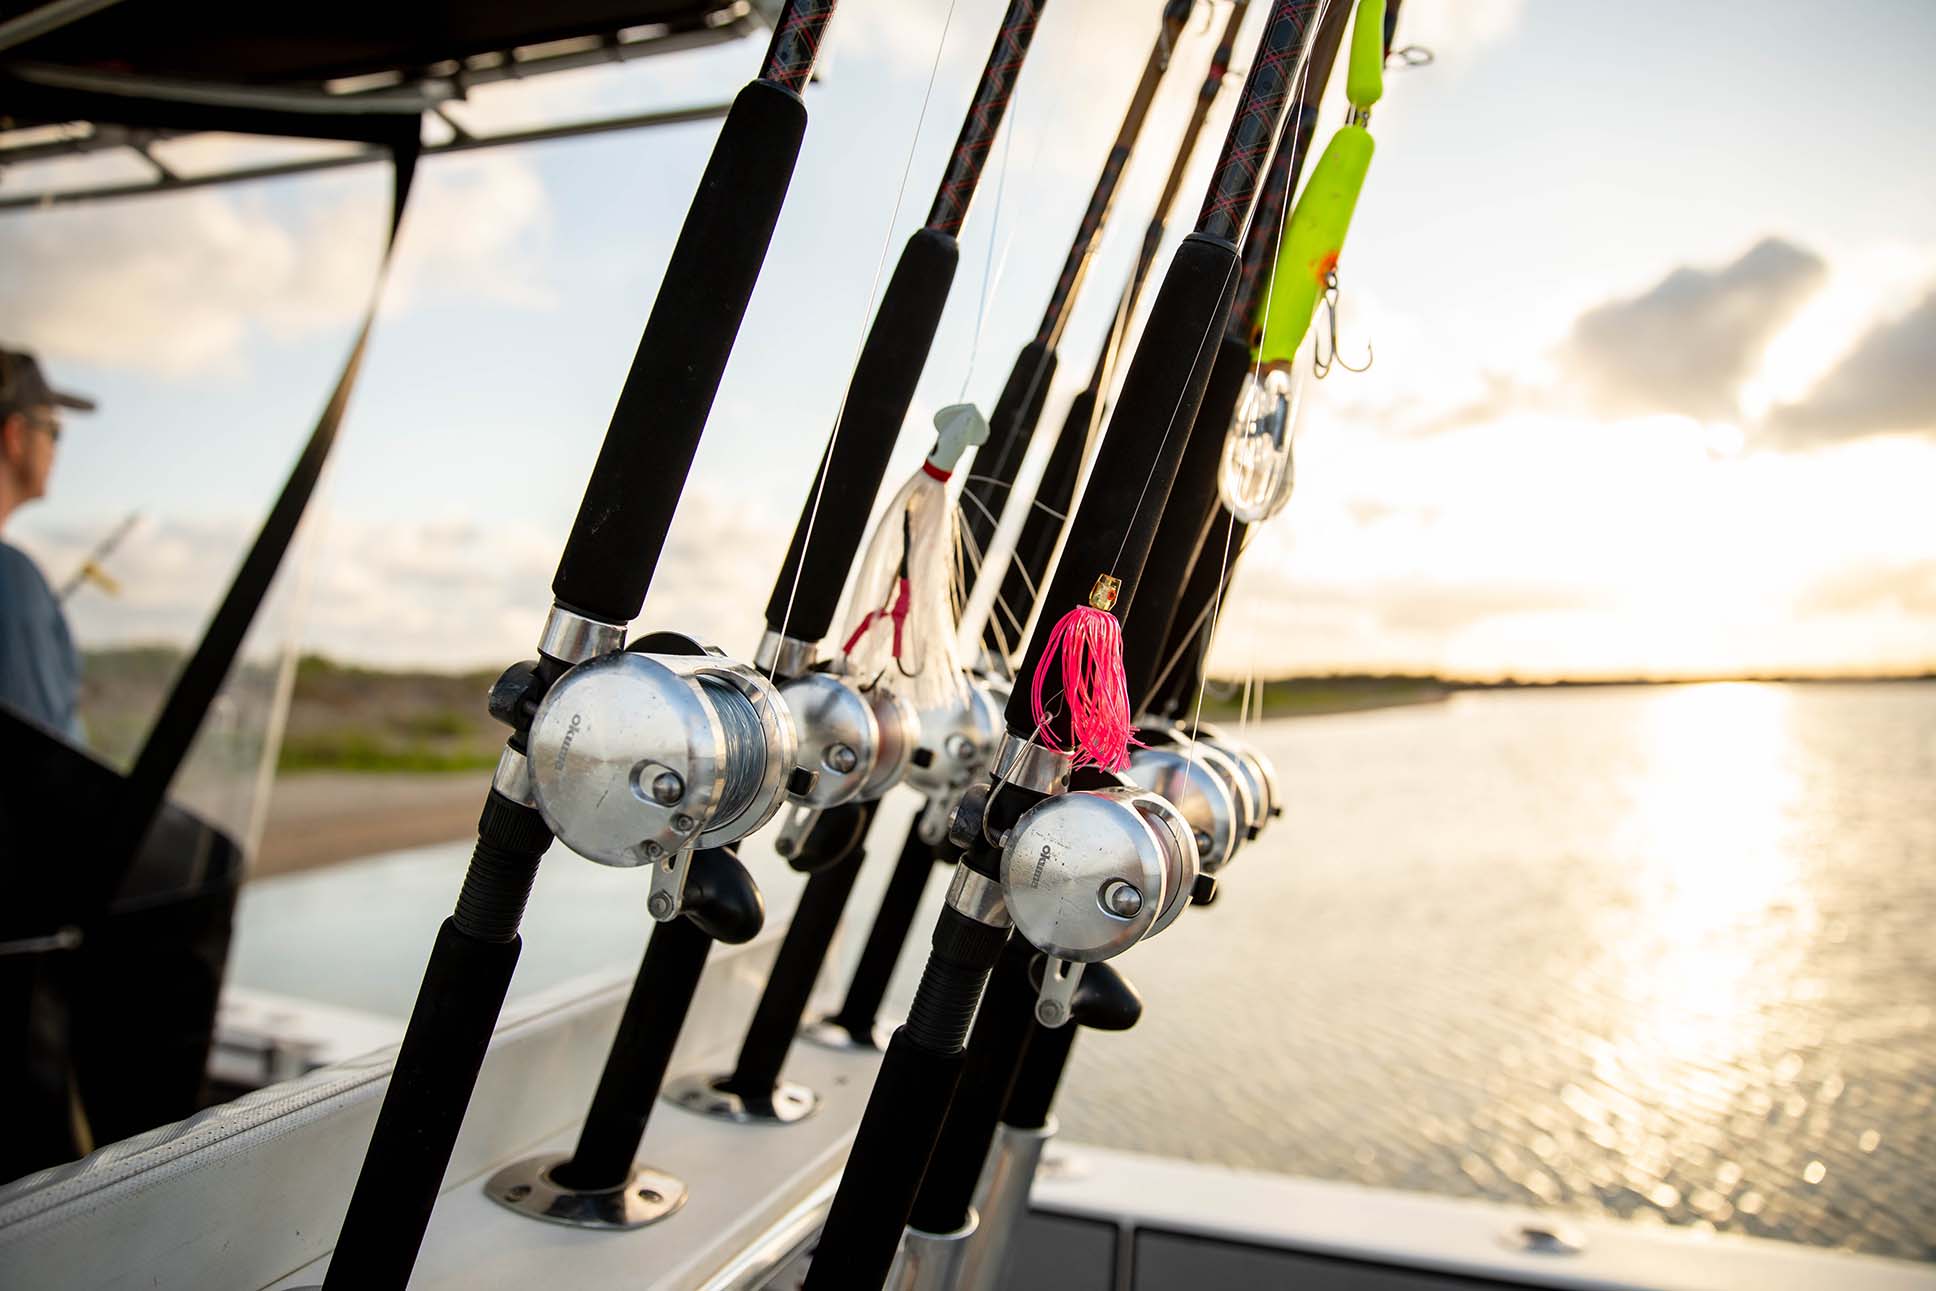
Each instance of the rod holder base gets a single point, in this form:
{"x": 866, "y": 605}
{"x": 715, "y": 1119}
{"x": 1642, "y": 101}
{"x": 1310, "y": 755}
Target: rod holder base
{"x": 704, "y": 1094}
{"x": 829, "y": 1034}
{"x": 526, "y": 1187}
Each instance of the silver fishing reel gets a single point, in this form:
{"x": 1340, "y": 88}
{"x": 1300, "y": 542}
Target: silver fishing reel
{"x": 1187, "y": 780}
{"x": 1088, "y": 874}
{"x": 858, "y": 743}
{"x": 637, "y": 758}
{"x": 1258, "y": 771}
{"x": 954, "y": 748}
{"x": 1261, "y": 779}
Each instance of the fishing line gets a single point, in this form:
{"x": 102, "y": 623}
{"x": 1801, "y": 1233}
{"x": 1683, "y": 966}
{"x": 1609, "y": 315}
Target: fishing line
{"x": 991, "y": 271}
{"x": 1297, "y": 100}
{"x": 1049, "y": 334}
{"x": 1113, "y": 345}
{"x": 1203, "y": 678}
{"x": 873, "y": 298}
{"x": 1285, "y": 140}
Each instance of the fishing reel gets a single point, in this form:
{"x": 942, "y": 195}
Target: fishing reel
{"x": 857, "y": 743}
{"x": 955, "y": 745}
{"x": 640, "y": 755}
{"x": 1258, "y": 771}
{"x": 1087, "y": 874}
{"x": 1206, "y": 784}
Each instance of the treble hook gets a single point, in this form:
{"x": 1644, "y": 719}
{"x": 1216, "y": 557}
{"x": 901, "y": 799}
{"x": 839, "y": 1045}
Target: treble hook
{"x": 1411, "y": 56}
{"x": 1320, "y": 362}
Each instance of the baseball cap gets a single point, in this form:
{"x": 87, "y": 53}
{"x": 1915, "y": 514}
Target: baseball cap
{"x": 23, "y": 386}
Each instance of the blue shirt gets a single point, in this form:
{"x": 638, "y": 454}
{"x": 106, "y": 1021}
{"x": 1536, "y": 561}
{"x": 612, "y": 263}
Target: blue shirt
{"x": 40, "y": 671}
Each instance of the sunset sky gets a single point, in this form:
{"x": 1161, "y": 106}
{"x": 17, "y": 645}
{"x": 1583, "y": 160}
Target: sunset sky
{"x": 1651, "y": 288}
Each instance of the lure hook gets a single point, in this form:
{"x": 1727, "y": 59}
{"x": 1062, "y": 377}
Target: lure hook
{"x": 1410, "y": 56}
{"x": 1321, "y": 362}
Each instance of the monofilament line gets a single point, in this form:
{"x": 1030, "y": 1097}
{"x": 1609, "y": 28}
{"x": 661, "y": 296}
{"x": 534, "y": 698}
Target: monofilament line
{"x": 860, "y": 342}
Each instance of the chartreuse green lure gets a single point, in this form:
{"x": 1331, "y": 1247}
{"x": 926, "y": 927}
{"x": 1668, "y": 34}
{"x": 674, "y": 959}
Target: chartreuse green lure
{"x": 1257, "y": 475}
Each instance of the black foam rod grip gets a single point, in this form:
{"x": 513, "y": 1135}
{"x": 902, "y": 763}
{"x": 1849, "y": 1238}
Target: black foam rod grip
{"x": 1129, "y": 485}
{"x": 1011, "y": 428}
{"x": 437, "y": 1068}
{"x": 1002, "y": 1027}
{"x": 1179, "y": 543}
{"x": 622, "y": 522}
{"x": 890, "y": 1154}
{"x": 834, "y": 519}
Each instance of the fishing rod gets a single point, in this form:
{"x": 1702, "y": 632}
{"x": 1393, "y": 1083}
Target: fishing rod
{"x": 1167, "y": 765}
{"x": 1081, "y": 874}
{"x": 854, "y": 1024}
{"x": 1253, "y": 479}
{"x": 1103, "y": 1001}
{"x": 1219, "y": 798}
{"x": 91, "y": 569}
{"x": 1012, "y": 425}
{"x": 603, "y": 573}
{"x": 944, "y": 1228}
{"x": 1225, "y": 789}
{"x": 859, "y": 731}
{"x": 1028, "y": 565}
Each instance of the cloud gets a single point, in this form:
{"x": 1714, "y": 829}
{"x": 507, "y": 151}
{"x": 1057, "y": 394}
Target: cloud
{"x": 445, "y": 592}
{"x": 1688, "y": 343}
{"x": 176, "y": 284}
{"x": 1907, "y": 587}
{"x": 1883, "y": 384}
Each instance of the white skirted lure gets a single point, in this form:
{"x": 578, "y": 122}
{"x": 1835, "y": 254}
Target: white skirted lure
{"x": 905, "y": 619}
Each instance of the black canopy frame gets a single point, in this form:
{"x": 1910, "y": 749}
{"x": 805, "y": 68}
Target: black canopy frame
{"x": 81, "y": 77}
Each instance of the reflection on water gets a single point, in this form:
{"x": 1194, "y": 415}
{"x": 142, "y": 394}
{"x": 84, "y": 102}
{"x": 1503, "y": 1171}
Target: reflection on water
{"x": 1665, "y": 953}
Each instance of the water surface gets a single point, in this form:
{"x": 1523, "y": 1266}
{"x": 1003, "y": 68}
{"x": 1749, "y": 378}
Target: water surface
{"x": 1667, "y": 953}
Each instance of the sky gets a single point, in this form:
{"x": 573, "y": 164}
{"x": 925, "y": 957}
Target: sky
{"x": 1651, "y": 290}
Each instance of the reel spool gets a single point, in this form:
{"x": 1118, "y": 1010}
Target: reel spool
{"x": 1088, "y": 874}
{"x": 900, "y": 727}
{"x": 636, "y": 758}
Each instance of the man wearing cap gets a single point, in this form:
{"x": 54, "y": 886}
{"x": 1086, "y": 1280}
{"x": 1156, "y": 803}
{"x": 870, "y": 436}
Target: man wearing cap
{"x": 40, "y": 671}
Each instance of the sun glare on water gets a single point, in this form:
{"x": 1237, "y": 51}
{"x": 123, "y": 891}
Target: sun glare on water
{"x": 1719, "y": 912}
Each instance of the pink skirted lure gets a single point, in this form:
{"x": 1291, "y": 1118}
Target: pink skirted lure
{"x": 1088, "y": 644}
